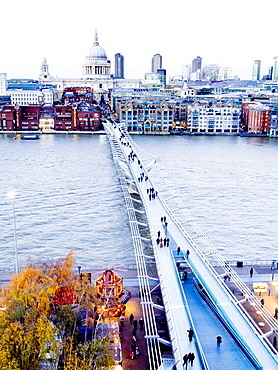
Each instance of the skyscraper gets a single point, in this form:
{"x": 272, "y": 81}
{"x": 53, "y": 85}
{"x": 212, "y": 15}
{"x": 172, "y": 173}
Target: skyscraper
{"x": 256, "y": 70}
{"x": 156, "y": 63}
{"x": 119, "y": 66}
{"x": 275, "y": 68}
{"x": 196, "y": 64}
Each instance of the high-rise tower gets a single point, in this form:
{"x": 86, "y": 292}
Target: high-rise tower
{"x": 156, "y": 63}
{"x": 119, "y": 66}
{"x": 196, "y": 64}
{"x": 256, "y": 70}
{"x": 275, "y": 69}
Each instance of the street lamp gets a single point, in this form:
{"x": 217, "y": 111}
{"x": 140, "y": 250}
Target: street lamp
{"x": 12, "y": 195}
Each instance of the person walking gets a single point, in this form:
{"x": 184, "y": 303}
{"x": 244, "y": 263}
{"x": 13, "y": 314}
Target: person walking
{"x": 131, "y": 317}
{"x": 262, "y": 303}
{"x": 276, "y": 313}
{"x": 185, "y": 360}
{"x": 178, "y": 251}
{"x": 191, "y": 358}
{"x": 164, "y": 242}
{"x": 187, "y": 253}
{"x": 218, "y": 340}
{"x": 275, "y": 342}
{"x": 122, "y": 320}
{"x": 141, "y": 323}
{"x": 167, "y": 242}
{"x": 190, "y": 334}
{"x": 251, "y": 271}
{"x": 135, "y": 322}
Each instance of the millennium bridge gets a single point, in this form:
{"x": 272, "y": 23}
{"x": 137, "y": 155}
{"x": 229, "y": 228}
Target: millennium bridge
{"x": 205, "y": 303}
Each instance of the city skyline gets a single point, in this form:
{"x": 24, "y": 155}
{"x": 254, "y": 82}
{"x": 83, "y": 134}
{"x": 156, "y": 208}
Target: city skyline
{"x": 64, "y": 34}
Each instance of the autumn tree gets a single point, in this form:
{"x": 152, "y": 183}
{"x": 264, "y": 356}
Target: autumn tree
{"x": 33, "y": 329}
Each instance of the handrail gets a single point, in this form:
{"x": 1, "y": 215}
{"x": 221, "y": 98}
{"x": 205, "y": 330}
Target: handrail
{"x": 153, "y": 347}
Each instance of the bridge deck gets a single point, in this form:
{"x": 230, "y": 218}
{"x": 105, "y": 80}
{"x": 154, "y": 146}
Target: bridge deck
{"x": 177, "y": 309}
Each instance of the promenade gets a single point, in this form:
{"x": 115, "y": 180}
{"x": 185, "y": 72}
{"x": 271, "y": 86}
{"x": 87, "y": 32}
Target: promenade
{"x": 261, "y": 274}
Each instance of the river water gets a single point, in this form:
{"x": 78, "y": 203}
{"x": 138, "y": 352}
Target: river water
{"x": 69, "y": 197}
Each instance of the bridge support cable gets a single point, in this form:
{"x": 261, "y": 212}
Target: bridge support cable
{"x": 206, "y": 249}
{"x": 153, "y": 347}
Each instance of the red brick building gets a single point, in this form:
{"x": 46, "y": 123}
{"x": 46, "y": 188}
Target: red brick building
{"x": 7, "y": 118}
{"x": 76, "y": 117}
{"x": 255, "y": 118}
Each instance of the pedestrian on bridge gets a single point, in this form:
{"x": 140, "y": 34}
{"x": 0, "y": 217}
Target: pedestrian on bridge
{"x": 218, "y": 340}
{"x": 251, "y": 271}
{"x": 190, "y": 334}
{"x": 191, "y": 358}
{"x": 187, "y": 253}
{"x": 185, "y": 360}
{"x": 178, "y": 250}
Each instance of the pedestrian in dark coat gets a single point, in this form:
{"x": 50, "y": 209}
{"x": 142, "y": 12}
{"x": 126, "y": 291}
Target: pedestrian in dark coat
{"x": 164, "y": 242}
{"x": 275, "y": 342}
{"x": 135, "y": 322}
{"x": 178, "y": 250}
{"x": 141, "y": 323}
{"x": 191, "y": 358}
{"x": 187, "y": 253}
{"x": 131, "y": 317}
{"x": 218, "y": 340}
{"x": 185, "y": 360}
{"x": 251, "y": 271}
{"x": 190, "y": 334}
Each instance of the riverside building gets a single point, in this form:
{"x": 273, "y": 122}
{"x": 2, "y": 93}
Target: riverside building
{"x": 213, "y": 118}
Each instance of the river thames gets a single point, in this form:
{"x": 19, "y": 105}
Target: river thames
{"x": 69, "y": 197}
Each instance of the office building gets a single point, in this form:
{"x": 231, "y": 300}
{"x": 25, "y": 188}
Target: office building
{"x": 119, "y": 66}
{"x": 196, "y": 64}
{"x": 275, "y": 68}
{"x": 256, "y": 70}
{"x": 156, "y": 63}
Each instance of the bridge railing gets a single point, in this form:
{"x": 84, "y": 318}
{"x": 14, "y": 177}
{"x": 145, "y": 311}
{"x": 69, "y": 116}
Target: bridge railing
{"x": 210, "y": 251}
{"x": 122, "y": 166}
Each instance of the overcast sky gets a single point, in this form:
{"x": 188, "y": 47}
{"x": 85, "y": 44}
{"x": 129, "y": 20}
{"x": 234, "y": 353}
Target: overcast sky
{"x": 228, "y": 33}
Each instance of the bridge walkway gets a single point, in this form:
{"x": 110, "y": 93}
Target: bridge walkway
{"x": 177, "y": 312}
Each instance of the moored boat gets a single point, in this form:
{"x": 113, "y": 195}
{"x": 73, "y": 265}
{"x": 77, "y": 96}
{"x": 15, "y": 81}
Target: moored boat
{"x": 30, "y": 137}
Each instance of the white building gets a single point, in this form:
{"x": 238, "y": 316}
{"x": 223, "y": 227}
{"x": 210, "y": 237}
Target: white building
{"x": 96, "y": 74}
{"x": 31, "y": 97}
{"x": 213, "y": 118}
{"x": 3, "y": 83}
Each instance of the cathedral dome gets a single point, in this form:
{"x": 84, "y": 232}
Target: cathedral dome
{"x": 96, "y": 51}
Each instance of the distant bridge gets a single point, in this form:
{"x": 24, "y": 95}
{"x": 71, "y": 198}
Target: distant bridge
{"x": 245, "y": 346}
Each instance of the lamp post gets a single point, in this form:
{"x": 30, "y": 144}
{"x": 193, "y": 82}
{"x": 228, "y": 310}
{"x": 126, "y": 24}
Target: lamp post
{"x": 12, "y": 195}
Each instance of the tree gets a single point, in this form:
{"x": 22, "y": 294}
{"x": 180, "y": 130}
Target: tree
{"x": 34, "y": 330}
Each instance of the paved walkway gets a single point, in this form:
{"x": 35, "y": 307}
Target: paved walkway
{"x": 200, "y": 314}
